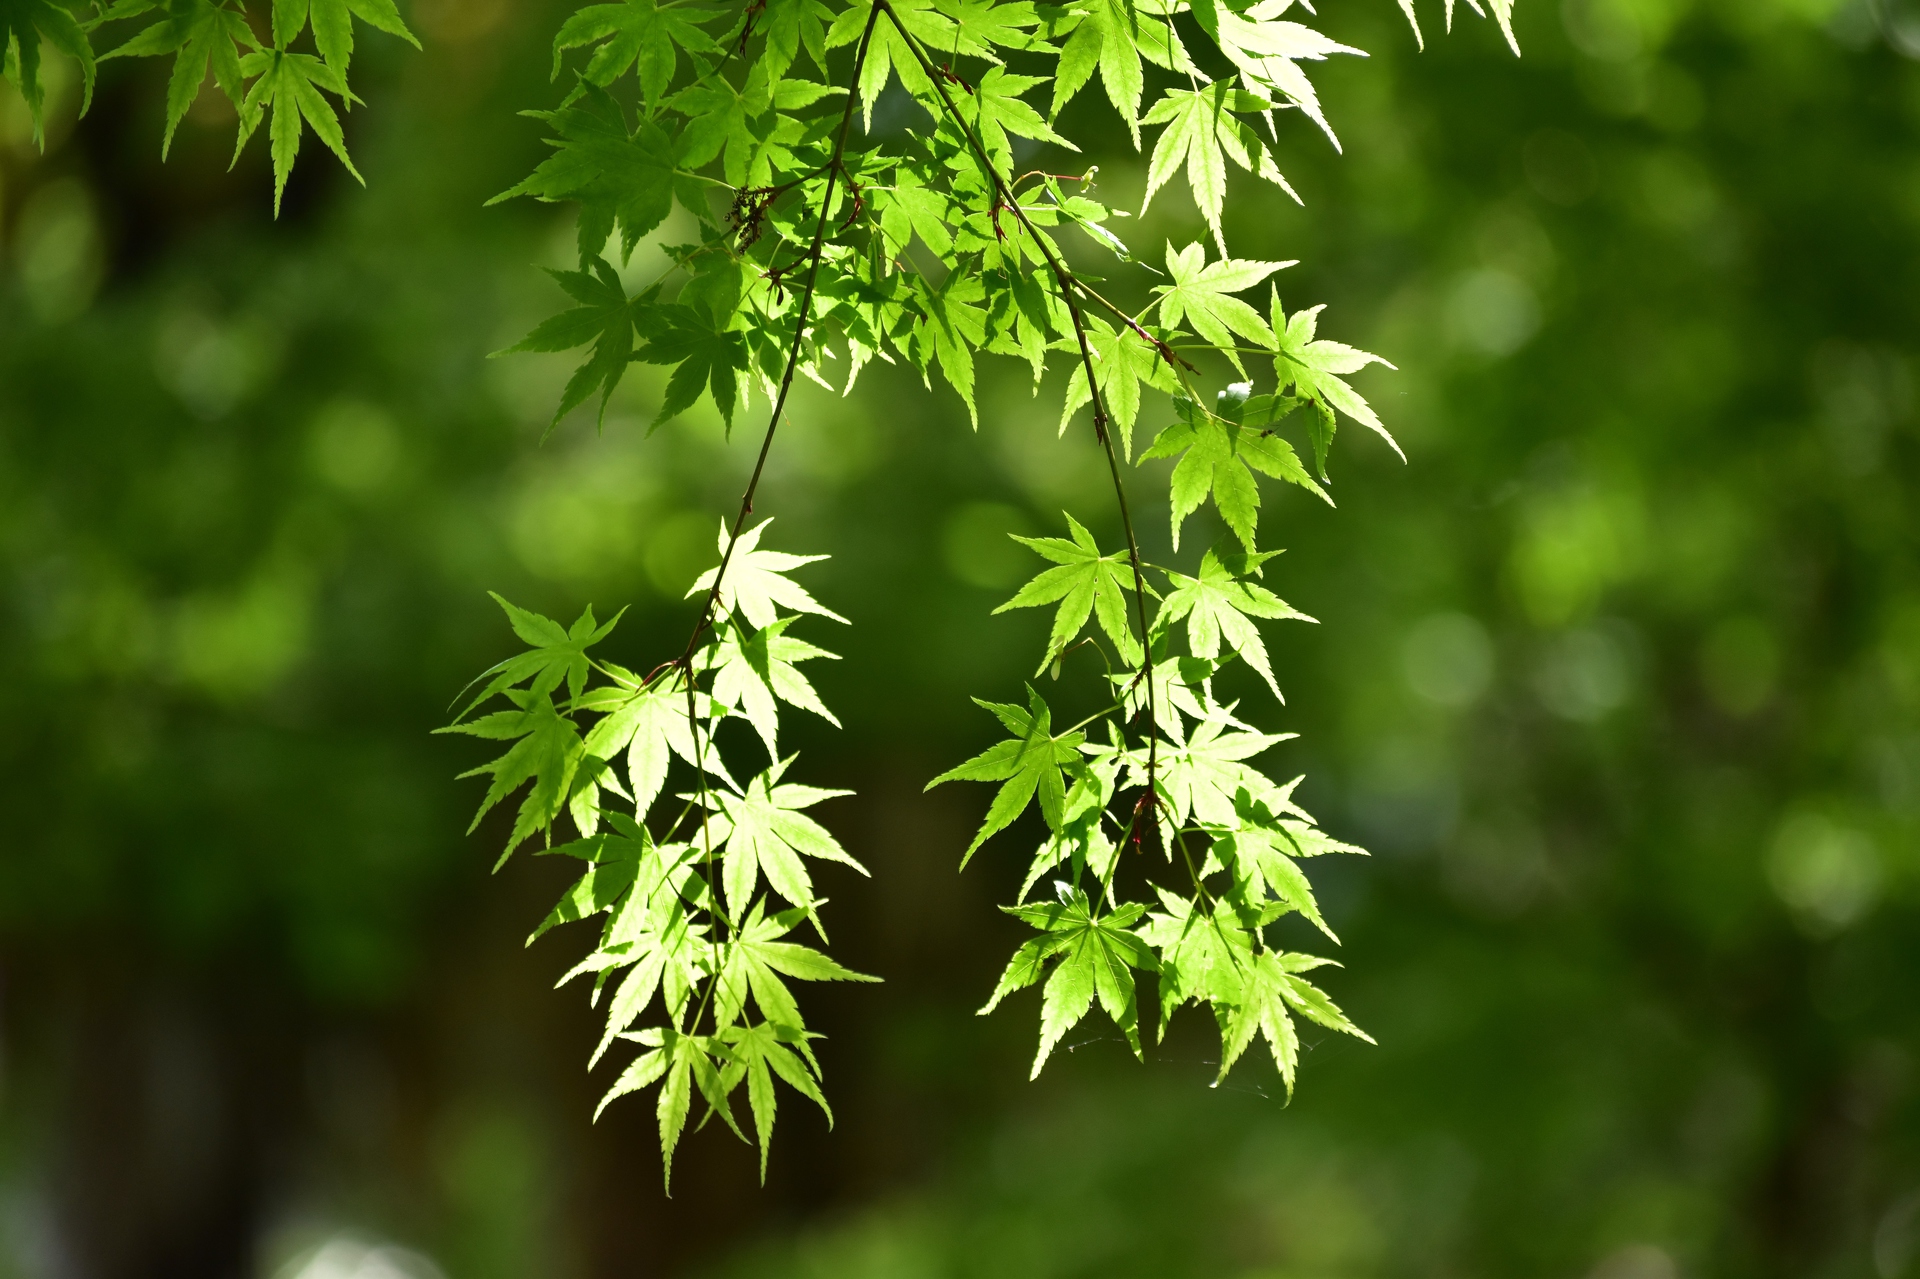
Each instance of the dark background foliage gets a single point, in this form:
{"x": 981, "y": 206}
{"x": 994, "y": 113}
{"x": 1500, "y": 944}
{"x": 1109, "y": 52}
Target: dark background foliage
{"x": 1619, "y": 678}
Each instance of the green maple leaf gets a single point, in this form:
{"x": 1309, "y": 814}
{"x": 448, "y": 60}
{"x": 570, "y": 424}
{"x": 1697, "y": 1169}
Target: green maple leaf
{"x": 982, "y": 24}
{"x": 1203, "y": 132}
{"x": 1084, "y": 582}
{"x": 1220, "y": 451}
{"x": 651, "y": 933}
{"x": 1202, "y": 295}
{"x": 288, "y": 91}
{"x": 1200, "y": 774}
{"x": 1173, "y": 685}
{"x": 954, "y": 325}
{"x": 558, "y": 653}
{"x": 1269, "y": 988}
{"x": 759, "y": 1053}
{"x": 1097, "y": 955}
{"x": 790, "y": 25}
{"x": 1260, "y": 866}
{"x": 201, "y": 34}
{"x": 23, "y": 25}
{"x": 546, "y": 751}
{"x": 679, "y": 1063}
{"x": 639, "y": 34}
{"x": 1204, "y": 955}
{"x": 718, "y": 118}
{"x": 1217, "y": 606}
{"x": 1081, "y": 843}
{"x": 1260, "y": 848}
{"x": 888, "y": 52}
{"x": 620, "y": 178}
{"x": 1502, "y": 14}
{"x": 1268, "y": 53}
{"x": 755, "y": 961}
{"x": 333, "y": 25}
{"x": 1314, "y": 369}
{"x": 911, "y": 207}
{"x": 616, "y": 861}
{"x": 766, "y": 834}
{"x": 1111, "y": 38}
{"x": 1124, "y": 362}
{"x": 756, "y": 582}
{"x": 750, "y": 672}
{"x": 651, "y": 725}
{"x": 1029, "y": 764}
{"x": 707, "y": 355}
{"x": 999, "y": 111}
{"x": 605, "y": 317}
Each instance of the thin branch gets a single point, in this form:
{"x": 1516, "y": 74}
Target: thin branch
{"x": 1067, "y": 285}
{"x": 835, "y": 168}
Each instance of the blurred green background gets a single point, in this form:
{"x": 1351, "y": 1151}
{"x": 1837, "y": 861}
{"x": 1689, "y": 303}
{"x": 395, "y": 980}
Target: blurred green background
{"x": 1619, "y": 678}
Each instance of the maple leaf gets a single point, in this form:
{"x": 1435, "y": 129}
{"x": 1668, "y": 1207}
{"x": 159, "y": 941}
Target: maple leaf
{"x": 1097, "y": 955}
{"x": 558, "y": 653}
{"x": 679, "y": 1063}
{"x": 1111, "y": 37}
{"x": 1203, "y": 131}
{"x": 1202, "y": 295}
{"x": 707, "y": 355}
{"x": 1314, "y": 368}
{"x": 1084, "y": 582}
{"x": 1030, "y": 763}
{"x": 1270, "y": 987}
{"x": 766, "y": 834}
{"x": 755, "y": 961}
{"x": 201, "y": 34}
{"x": 999, "y": 111}
{"x": 639, "y": 34}
{"x": 1200, "y": 774}
{"x": 1081, "y": 842}
{"x": 288, "y": 90}
{"x": 1261, "y": 846}
{"x": 1220, "y": 451}
{"x": 332, "y": 22}
{"x": 954, "y": 326}
{"x": 617, "y": 863}
{"x": 759, "y": 1053}
{"x": 982, "y": 24}
{"x": 789, "y": 25}
{"x": 752, "y": 671}
{"x": 1123, "y": 362}
{"x": 650, "y": 724}
{"x": 620, "y": 178}
{"x": 1203, "y": 954}
{"x": 888, "y": 53}
{"x": 755, "y": 584}
{"x": 1217, "y": 605}
{"x": 546, "y": 750}
{"x": 605, "y": 318}
{"x": 24, "y": 24}
{"x": 1267, "y": 53}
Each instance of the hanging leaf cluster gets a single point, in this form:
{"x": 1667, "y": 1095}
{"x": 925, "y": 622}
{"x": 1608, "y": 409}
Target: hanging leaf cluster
{"x": 694, "y": 873}
{"x": 827, "y": 236}
{"x": 282, "y": 64}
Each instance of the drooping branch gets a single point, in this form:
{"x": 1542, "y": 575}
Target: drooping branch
{"x": 1069, "y": 288}
{"x": 802, "y": 313}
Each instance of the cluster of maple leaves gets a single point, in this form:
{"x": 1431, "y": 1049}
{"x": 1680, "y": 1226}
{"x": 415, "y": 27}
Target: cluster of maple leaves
{"x": 928, "y": 245}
